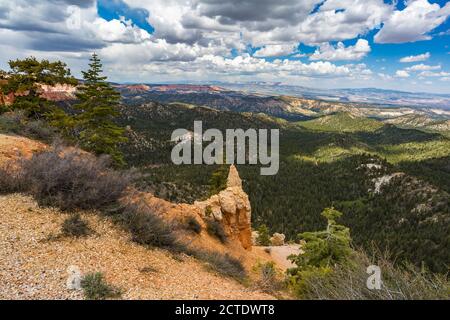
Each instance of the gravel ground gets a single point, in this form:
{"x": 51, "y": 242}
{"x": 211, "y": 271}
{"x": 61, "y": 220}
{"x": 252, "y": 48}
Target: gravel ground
{"x": 34, "y": 266}
{"x": 280, "y": 254}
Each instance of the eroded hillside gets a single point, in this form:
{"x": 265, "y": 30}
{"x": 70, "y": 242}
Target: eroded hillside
{"x": 36, "y": 255}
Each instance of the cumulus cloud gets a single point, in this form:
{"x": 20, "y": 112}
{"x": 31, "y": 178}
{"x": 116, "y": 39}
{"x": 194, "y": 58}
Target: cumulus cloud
{"x": 117, "y": 31}
{"x": 275, "y": 50}
{"x": 340, "y": 52}
{"x": 413, "y": 23}
{"x": 207, "y": 66}
{"x": 421, "y": 57}
{"x": 434, "y": 74}
{"x": 264, "y": 22}
{"x": 338, "y": 20}
{"x": 206, "y": 39}
{"x": 422, "y": 67}
{"x": 57, "y": 26}
{"x": 402, "y": 74}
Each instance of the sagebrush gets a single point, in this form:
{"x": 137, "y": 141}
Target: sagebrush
{"x": 75, "y": 226}
{"x": 215, "y": 229}
{"x": 67, "y": 178}
{"x": 96, "y": 288}
{"x": 146, "y": 227}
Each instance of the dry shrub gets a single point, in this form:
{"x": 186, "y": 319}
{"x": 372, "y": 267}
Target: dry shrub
{"x": 224, "y": 264}
{"x": 74, "y": 226}
{"x": 215, "y": 229}
{"x": 269, "y": 279}
{"x": 193, "y": 225}
{"x": 69, "y": 179}
{"x": 17, "y": 122}
{"x": 12, "y": 178}
{"x": 146, "y": 227}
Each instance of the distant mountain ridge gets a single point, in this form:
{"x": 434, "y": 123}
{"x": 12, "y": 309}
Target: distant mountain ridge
{"x": 357, "y": 95}
{"x": 288, "y": 107}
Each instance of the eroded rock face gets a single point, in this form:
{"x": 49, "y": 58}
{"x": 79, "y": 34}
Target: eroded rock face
{"x": 232, "y": 208}
{"x": 58, "y": 92}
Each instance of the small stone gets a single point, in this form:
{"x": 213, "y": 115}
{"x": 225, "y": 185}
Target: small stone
{"x": 74, "y": 278}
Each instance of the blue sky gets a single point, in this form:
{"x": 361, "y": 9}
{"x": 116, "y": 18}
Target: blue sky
{"x": 400, "y": 45}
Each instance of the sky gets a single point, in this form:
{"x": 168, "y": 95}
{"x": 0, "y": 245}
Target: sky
{"x": 400, "y": 45}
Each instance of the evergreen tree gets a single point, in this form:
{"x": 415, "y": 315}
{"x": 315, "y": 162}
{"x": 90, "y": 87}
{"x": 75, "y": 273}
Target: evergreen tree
{"x": 263, "y": 236}
{"x": 25, "y": 80}
{"x": 328, "y": 247}
{"x": 218, "y": 180}
{"x": 98, "y": 102}
{"x": 322, "y": 251}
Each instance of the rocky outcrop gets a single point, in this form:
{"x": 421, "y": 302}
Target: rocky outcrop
{"x": 231, "y": 207}
{"x": 277, "y": 239}
{"x": 58, "y": 92}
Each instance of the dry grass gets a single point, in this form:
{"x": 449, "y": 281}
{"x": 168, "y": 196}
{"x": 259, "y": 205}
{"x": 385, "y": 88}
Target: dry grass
{"x": 398, "y": 283}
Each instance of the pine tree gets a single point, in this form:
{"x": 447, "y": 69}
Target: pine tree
{"x": 218, "y": 180}
{"x": 328, "y": 247}
{"x": 322, "y": 251}
{"x": 263, "y": 235}
{"x": 98, "y": 102}
{"x": 25, "y": 80}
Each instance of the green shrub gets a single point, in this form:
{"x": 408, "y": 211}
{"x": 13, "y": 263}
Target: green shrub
{"x": 193, "y": 225}
{"x": 215, "y": 229}
{"x": 263, "y": 238}
{"x": 208, "y": 211}
{"x": 95, "y": 287}
{"x": 74, "y": 226}
{"x": 12, "y": 121}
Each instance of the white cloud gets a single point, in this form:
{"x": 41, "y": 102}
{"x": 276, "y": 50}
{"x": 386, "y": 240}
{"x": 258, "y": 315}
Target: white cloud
{"x": 422, "y": 67}
{"x": 193, "y": 39}
{"x": 421, "y": 57}
{"x": 413, "y": 23}
{"x": 401, "y": 74}
{"x": 339, "y": 20}
{"x": 117, "y": 31}
{"x": 340, "y": 52}
{"x": 275, "y": 50}
{"x": 384, "y": 76}
{"x": 434, "y": 74}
